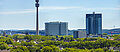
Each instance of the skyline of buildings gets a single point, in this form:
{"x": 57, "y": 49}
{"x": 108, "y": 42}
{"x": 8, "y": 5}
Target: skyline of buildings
{"x": 21, "y": 14}
{"x": 92, "y": 20}
{"x": 93, "y": 26}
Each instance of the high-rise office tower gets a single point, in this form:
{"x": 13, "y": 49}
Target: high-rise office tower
{"x": 56, "y": 28}
{"x": 94, "y": 24}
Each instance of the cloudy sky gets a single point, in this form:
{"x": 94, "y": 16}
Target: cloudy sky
{"x": 20, "y": 14}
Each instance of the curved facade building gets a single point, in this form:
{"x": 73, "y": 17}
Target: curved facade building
{"x": 94, "y": 24}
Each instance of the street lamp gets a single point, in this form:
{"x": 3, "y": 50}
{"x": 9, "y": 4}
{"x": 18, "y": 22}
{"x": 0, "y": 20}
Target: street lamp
{"x": 37, "y": 19}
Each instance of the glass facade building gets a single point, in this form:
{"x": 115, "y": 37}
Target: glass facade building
{"x": 94, "y": 24}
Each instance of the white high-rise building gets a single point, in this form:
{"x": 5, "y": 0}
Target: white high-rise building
{"x": 56, "y": 28}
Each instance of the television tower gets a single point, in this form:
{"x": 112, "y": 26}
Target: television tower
{"x": 37, "y": 19}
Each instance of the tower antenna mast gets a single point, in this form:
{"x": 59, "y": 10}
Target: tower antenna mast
{"x": 37, "y": 18}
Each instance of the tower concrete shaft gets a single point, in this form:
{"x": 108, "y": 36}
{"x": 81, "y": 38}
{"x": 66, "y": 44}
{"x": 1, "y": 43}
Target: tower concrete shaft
{"x": 37, "y": 17}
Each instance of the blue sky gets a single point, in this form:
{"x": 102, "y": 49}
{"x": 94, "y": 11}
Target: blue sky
{"x": 20, "y": 14}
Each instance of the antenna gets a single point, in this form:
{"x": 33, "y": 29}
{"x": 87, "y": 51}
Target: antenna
{"x": 37, "y": 18}
{"x": 37, "y": 0}
{"x": 114, "y": 26}
{"x": 93, "y": 12}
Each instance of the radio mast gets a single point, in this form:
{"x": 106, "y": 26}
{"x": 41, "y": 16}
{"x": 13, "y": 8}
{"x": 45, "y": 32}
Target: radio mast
{"x": 37, "y": 18}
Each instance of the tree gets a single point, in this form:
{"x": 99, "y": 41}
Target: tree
{"x": 25, "y": 49}
{"x": 104, "y": 33}
{"x": 40, "y": 45}
{"x": 55, "y": 49}
{"x": 6, "y": 40}
{"x": 16, "y": 44}
{"x": 9, "y": 41}
{"x": 34, "y": 49}
{"x": 107, "y": 50}
{"x": 70, "y": 50}
{"x": 27, "y": 43}
{"x": 97, "y": 50}
{"x": 3, "y": 46}
{"x": 80, "y": 39}
{"x": 116, "y": 37}
{"x": 29, "y": 37}
{"x": 9, "y": 36}
{"x": 47, "y": 49}
{"x": 19, "y": 49}
{"x": 16, "y": 36}
{"x": 16, "y": 50}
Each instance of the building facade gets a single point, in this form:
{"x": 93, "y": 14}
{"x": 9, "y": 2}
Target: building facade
{"x": 75, "y": 34}
{"x": 94, "y": 24}
{"x": 56, "y": 28}
{"x": 79, "y": 34}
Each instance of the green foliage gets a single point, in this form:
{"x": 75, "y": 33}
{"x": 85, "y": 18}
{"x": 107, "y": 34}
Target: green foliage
{"x": 16, "y": 50}
{"x": 21, "y": 48}
{"x": 117, "y": 44}
{"x": 17, "y": 36}
{"x": 75, "y": 50}
{"x": 38, "y": 37}
{"x": 51, "y": 48}
{"x": 107, "y": 50}
{"x": 80, "y": 39}
{"x": 68, "y": 36}
{"x": 40, "y": 46}
{"x": 29, "y": 37}
{"x": 9, "y": 41}
{"x": 97, "y": 50}
{"x": 16, "y": 44}
{"x": 104, "y": 33}
{"x": 100, "y": 43}
{"x": 25, "y": 49}
{"x": 91, "y": 39}
{"x": 27, "y": 43}
{"x": 49, "y": 44}
{"x": 70, "y": 50}
{"x": 55, "y": 49}
{"x": 34, "y": 49}
{"x": 46, "y": 49}
{"x": 116, "y": 37}
{"x": 9, "y": 36}
{"x": 3, "y": 46}
{"x": 6, "y": 40}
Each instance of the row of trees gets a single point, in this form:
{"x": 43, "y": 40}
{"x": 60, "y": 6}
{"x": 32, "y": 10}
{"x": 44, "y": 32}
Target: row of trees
{"x": 50, "y": 48}
{"x": 101, "y": 43}
{"x": 116, "y": 37}
{"x": 53, "y": 48}
{"x": 46, "y": 44}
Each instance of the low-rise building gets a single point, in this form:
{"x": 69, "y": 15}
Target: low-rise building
{"x": 79, "y": 34}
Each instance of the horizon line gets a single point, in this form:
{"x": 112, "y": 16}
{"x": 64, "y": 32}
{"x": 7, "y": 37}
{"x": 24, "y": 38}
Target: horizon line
{"x": 44, "y": 29}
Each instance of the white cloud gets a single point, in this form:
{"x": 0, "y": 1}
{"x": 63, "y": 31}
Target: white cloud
{"x": 81, "y": 8}
{"x": 103, "y": 8}
{"x": 33, "y": 10}
{"x": 55, "y": 8}
{"x": 18, "y": 12}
